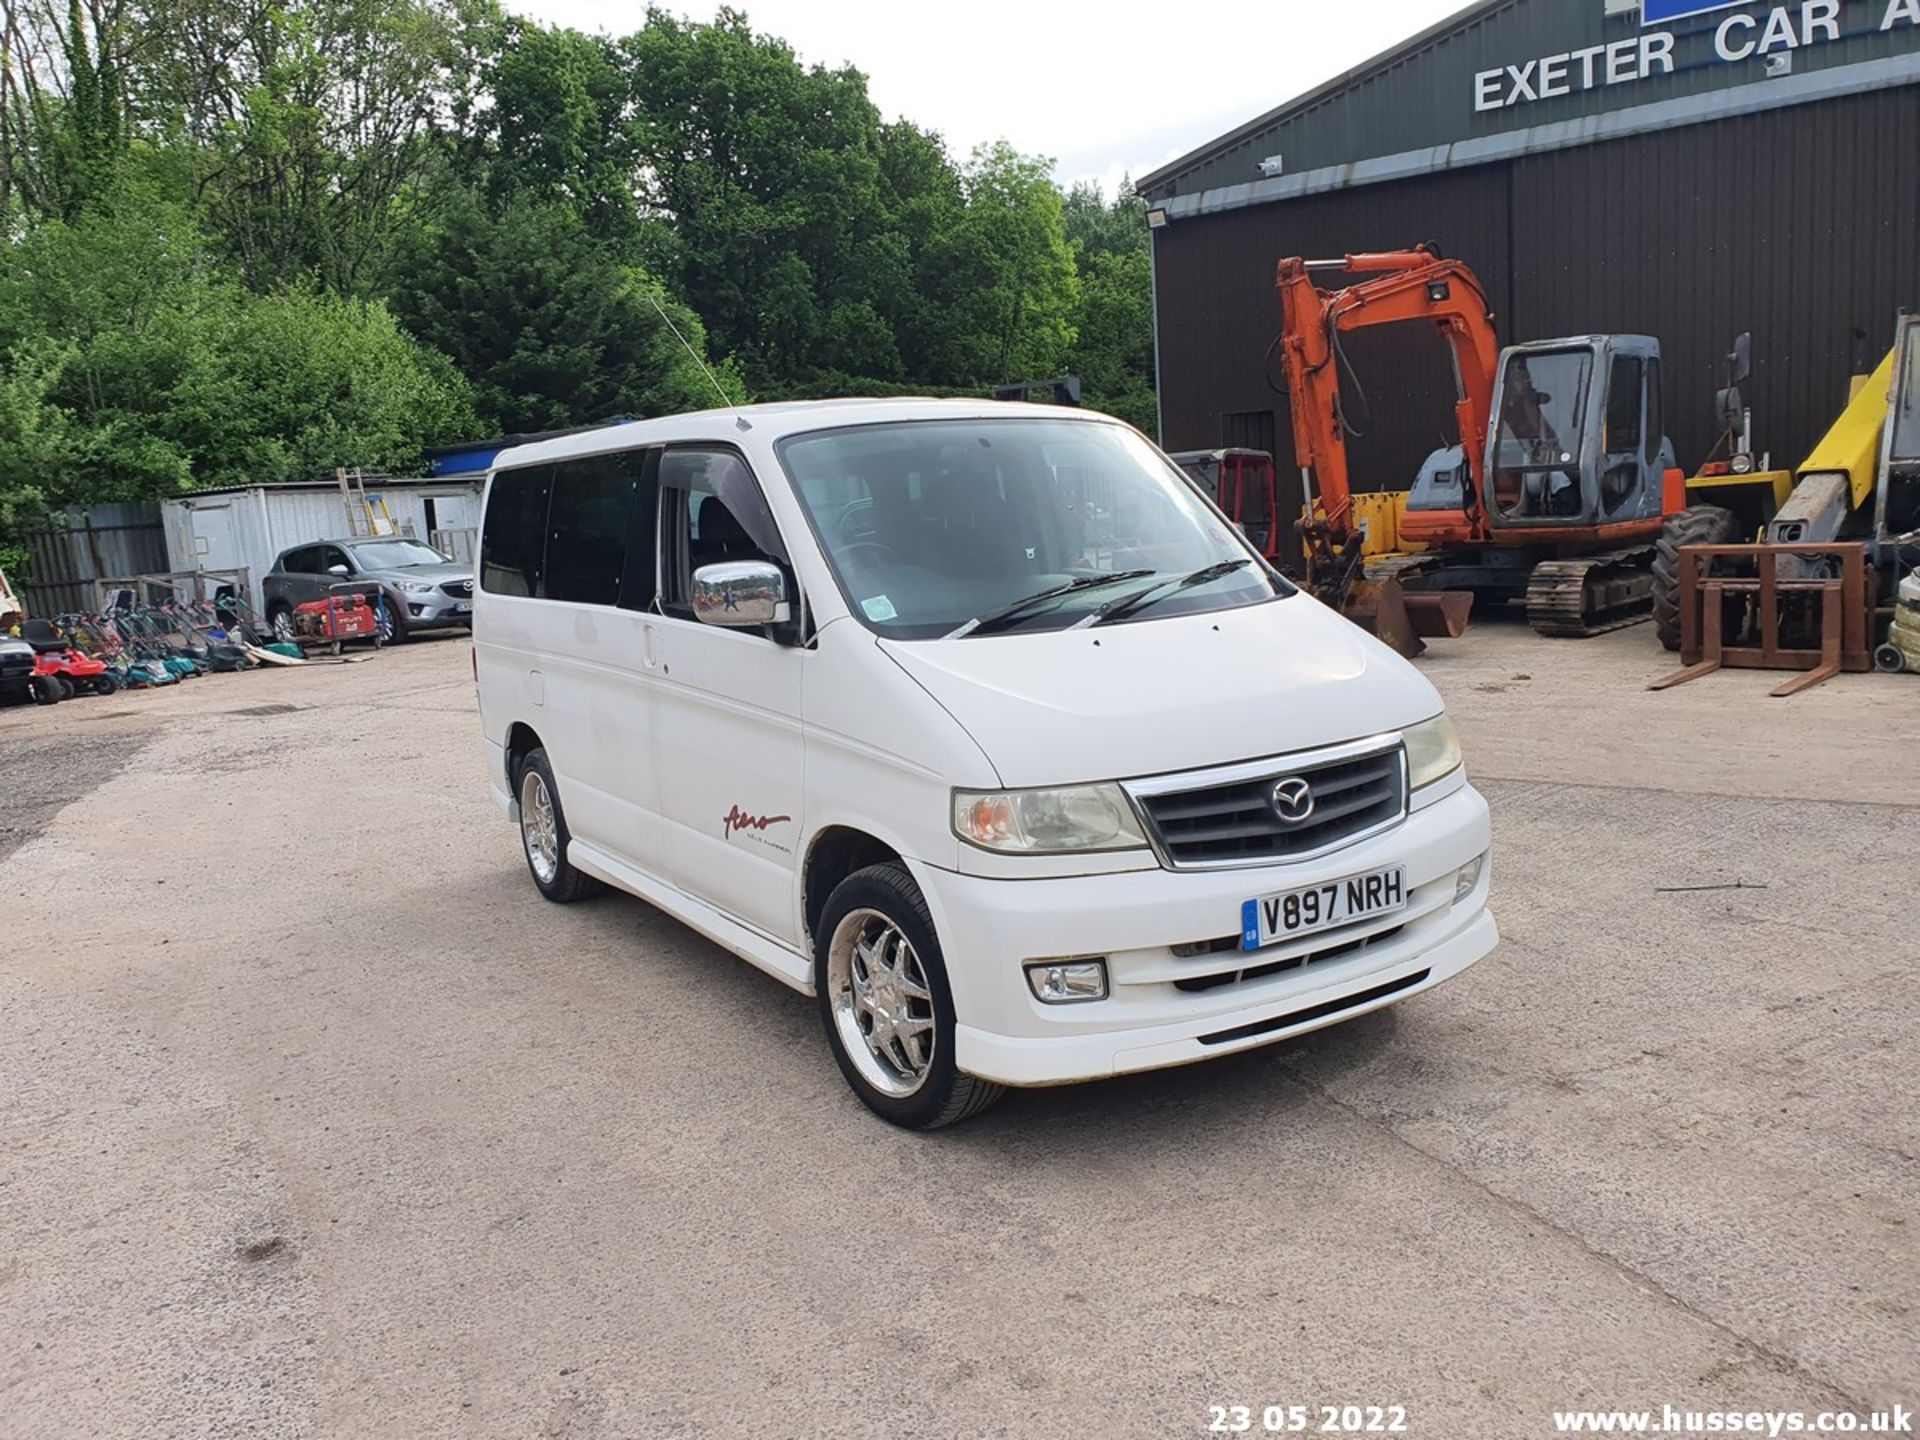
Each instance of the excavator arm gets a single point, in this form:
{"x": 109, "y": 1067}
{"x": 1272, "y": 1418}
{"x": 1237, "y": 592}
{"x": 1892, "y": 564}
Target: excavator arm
{"x": 1407, "y": 286}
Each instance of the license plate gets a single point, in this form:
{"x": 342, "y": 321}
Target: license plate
{"x": 1269, "y": 919}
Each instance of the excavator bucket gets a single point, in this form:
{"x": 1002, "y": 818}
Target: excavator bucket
{"x": 1401, "y": 617}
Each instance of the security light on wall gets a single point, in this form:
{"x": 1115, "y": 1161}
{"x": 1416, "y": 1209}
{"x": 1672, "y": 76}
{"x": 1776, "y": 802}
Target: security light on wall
{"x": 1273, "y": 165}
{"x": 1623, "y": 7}
{"x": 1156, "y": 218}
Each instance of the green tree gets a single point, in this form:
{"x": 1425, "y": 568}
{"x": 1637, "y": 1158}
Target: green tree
{"x": 562, "y": 127}
{"x": 308, "y": 125}
{"x": 1003, "y": 273}
{"x": 552, "y": 327}
{"x": 64, "y": 125}
{"x": 768, "y": 174}
{"x": 1113, "y": 345}
{"x": 131, "y": 370}
{"x": 1113, "y": 323}
{"x": 1096, "y": 226}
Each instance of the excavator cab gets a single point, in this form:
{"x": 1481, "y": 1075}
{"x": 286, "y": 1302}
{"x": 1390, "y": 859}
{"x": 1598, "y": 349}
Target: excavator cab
{"x": 1578, "y": 440}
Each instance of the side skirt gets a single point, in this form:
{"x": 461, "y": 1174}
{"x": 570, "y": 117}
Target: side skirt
{"x": 760, "y": 951}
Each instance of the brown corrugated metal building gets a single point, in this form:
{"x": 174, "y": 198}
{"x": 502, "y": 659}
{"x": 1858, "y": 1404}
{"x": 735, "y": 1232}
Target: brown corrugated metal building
{"x": 1679, "y": 168}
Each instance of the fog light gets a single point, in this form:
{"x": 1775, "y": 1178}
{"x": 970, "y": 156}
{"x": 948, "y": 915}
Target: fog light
{"x": 1468, "y": 878}
{"x": 1068, "y": 982}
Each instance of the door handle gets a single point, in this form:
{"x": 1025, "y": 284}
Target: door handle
{"x": 649, "y": 647}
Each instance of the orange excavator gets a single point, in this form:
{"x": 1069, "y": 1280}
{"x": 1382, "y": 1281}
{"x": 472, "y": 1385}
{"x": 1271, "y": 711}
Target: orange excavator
{"x": 1556, "y": 493}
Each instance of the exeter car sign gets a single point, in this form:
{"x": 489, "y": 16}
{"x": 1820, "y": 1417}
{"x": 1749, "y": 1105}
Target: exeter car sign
{"x": 1753, "y": 32}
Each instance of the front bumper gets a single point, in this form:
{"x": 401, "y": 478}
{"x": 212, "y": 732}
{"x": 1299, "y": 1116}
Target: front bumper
{"x": 1160, "y": 1010}
{"x": 433, "y": 612}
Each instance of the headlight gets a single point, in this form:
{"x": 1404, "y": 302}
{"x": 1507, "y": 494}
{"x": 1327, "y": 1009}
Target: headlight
{"x": 1026, "y": 822}
{"x": 1433, "y": 750}
{"x": 418, "y": 587}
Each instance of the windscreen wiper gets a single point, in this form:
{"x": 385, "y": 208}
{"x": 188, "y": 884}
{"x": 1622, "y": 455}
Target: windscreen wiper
{"x": 993, "y": 620}
{"x": 1126, "y": 605}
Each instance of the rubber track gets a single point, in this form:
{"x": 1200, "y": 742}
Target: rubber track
{"x": 1557, "y": 593}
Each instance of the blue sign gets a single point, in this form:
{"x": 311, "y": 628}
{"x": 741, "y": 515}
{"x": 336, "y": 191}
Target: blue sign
{"x": 1659, "y": 12}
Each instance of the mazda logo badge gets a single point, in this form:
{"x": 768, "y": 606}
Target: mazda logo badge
{"x": 1293, "y": 801}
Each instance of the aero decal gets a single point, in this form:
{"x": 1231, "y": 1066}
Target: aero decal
{"x": 738, "y": 820}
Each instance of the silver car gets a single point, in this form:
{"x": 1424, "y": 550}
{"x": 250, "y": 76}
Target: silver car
{"x": 422, "y": 589}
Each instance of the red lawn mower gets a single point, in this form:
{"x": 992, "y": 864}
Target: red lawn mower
{"x": 62, "y": 669}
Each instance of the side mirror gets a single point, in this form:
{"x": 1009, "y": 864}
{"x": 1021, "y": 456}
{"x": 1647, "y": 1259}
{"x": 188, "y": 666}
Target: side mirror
{"x": 337, "y": 570}
{"x": 741, "y": 593}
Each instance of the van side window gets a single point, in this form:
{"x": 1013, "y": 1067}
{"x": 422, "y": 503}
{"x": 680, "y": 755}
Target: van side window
{"x": 587, "y": 527}
{"x": 712, "y": 510}
{"x": 514, "y": 533}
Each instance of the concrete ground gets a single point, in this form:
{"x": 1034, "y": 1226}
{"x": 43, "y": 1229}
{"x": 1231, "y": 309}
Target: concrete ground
{"x": 316, "y": 1121}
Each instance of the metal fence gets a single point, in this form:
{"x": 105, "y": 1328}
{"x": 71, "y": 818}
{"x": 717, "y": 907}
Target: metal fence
{"x": 98, "y": 542}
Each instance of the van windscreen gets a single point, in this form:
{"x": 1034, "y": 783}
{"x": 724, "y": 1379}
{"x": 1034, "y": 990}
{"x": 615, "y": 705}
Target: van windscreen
{"x": 930, "y": 525}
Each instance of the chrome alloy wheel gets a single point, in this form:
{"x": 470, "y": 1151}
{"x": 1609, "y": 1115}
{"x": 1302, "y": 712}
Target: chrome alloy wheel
{"x": 538, "y": 828}
{"x": 882, "y": 1005}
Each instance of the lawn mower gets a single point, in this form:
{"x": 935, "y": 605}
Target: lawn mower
{"x": 145, "y": 639}
{"x": 59, "y": 662}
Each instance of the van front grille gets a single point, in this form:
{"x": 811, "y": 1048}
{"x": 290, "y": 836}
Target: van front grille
{"x": 1240, "y": 817}
{"x": 1338, "y": 950}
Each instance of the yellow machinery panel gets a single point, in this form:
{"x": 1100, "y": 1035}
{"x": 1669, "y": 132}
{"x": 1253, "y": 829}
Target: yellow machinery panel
{"x": 1852, "y": 446}
{"x": 1379, "y": 516}
{"x": 1777, "y": 483}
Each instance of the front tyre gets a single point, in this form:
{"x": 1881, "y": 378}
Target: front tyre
{"x": 886, "y": 1004}
{"x": 1696, "y": 525}
{"x": 544, "y": 835}
{"x": 389, "y": 624}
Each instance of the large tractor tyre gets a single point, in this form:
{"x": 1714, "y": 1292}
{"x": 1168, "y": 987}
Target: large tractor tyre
{"x": 1696, "y": 525}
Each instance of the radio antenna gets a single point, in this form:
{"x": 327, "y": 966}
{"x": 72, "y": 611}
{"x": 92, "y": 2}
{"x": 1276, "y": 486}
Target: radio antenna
{"x": 712, "y": 380}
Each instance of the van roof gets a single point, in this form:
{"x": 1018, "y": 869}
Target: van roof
{"x": 776, "y": 421}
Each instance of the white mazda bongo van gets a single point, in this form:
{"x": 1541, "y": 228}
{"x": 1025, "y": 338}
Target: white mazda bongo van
{"x": 976, "y": 722}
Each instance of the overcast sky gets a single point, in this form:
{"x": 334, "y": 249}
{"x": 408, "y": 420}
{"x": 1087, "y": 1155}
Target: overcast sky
{"x": 1105, "y": 89}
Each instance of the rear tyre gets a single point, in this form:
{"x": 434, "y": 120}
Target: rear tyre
{"x": 45, "y": 690}
{"x": 544, "y": 835}
{"x": 1696, "y": 525}
{"x": 885, "y": 1003}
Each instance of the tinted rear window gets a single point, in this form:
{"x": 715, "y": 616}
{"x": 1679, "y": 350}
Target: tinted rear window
{"x": 514, "y": 533}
